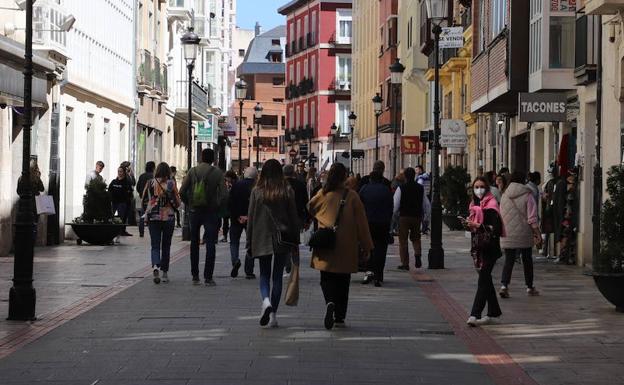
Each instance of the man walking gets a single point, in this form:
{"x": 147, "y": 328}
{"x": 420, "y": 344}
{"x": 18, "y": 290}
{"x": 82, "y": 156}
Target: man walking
{"x": 238, "y": 204}
{"x": 301, "y": 202}
{"x": 378, "y": 167}
{"x": 203, "y": 191}
{"x": 410, "y": 202}
{"x": 140, "y": 188}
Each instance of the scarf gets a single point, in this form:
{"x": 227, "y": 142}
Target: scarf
{"x": 486, "y": 203}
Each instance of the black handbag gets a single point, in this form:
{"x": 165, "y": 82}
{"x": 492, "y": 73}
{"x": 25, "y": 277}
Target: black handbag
{"x": 325, "y": 237}
{"x": 481, "y": 240}
{"x": 284, "y": 241}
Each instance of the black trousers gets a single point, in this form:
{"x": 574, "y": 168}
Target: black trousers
{"x": 486, "y": 294}
{"x": 379, "y": 232}
{"x": 527, "y": 264}
{"x": 335, "y": 288}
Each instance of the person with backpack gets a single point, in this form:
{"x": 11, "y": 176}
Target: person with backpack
{"x": 203, "y": 192}
{"x": 162, "y": 199}
{"x": 140, "y": 188}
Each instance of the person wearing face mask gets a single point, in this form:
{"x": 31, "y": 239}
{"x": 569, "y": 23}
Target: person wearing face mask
{"x": 484, "y": 219}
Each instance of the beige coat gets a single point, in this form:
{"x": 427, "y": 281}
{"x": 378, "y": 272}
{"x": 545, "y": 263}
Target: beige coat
{"x": 352, "y": 234}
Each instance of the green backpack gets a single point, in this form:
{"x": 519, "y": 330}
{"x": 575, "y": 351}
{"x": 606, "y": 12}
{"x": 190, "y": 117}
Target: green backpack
{"x": 200, "y": 195}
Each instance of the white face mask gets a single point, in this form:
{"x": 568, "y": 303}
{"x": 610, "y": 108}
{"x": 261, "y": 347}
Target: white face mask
{"x": 479, "y": 192}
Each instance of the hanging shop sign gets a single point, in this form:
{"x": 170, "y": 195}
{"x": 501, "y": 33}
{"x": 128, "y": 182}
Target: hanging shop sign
{"x": 410, "y": 145}
{"x": 452, "y": 37}
{"x": 542, "y": 107}
{"x": 205, "y": 130}
{"x": 453, "y": 133}
{"x": 563, "y": 5}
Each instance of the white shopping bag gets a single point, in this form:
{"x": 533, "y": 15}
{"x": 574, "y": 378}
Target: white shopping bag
{"x": 45, "y": 204}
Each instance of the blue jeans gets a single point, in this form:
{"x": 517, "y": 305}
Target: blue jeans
{"x": 210, "y": 222}
{"x": 276, "y": 276}
{"x": 122, "y": 211}
{"x": 160, "y": 234}
{"x": 236, "y": 230}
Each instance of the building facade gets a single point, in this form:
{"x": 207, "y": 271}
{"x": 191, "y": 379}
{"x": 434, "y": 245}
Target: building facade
{"x": 318, "y": 77}
{"x": 263, "y": 69}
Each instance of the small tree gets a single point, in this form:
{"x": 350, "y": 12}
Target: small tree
{"x": 611, "y": 256}
{"x": 97, "y": 203}
{"x": 453, "y": 190}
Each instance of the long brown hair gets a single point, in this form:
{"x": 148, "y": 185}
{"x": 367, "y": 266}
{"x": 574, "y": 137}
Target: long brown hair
{"x": 272, "y": 182}
{"x": 336, "y": 178}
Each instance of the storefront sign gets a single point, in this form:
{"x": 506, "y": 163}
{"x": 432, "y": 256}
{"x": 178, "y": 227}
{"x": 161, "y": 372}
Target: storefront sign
{"x": 563, "y": 5}
{"x": 542, "y": 107}
{"x": 453, "y": 133}
{"x": 205, "y": 130}
{"x": 452, "y": 37}
{"x": 411, "y": 145}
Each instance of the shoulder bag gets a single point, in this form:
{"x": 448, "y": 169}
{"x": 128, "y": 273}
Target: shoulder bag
{"x": 283, "y": 240}
{"x": 325, "y": 238}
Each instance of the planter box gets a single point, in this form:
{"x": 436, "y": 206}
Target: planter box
{"x": 98, "y": 233}
{"x": 611, "y": 286}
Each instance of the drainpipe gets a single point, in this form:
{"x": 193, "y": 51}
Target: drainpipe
{"x": 597, "y": 166}
{"x": 133, "y": 115}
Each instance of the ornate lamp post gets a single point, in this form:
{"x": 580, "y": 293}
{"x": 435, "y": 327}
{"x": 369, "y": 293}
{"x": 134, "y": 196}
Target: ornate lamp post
{"x": 377, "y": 100}
{"x": 241, "y": 95}
{"x": 190, "y": 42}
{"x": 333, "y": 129}
{"x": 257, "y": 116}
{"x": 437, "y": 12}
{"x": 352, "y": 119}
{"x": 396, "y": 77}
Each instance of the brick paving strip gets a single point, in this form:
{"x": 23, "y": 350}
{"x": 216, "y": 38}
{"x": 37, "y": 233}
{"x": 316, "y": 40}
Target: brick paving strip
{"x": 35, "y": 330}
{"x": 498, "y": 364}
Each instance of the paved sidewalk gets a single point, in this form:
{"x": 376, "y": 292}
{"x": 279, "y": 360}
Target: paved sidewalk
{"x": 68, "y": 273}
{"x": 177, "y": 333}
{"x": 568, "y": 335}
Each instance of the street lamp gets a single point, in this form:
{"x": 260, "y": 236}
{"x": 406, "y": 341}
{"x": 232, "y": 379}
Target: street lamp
{"x": 241, "y": 95}
{"x": 352, "y": 119}
{"x": 190, "y": 43}
{"x": 377, "y": 100}
{"x": 396, "y": 77}
{"x": 257, "y": 116}
{"x": 333, "y": 130}
{"x": 437, "y": 12}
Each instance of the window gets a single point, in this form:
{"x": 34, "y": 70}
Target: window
{"x": 448, "y": 105}
{"x": 392, "y": 32}
{"x": 298, "y": 30}
{"x": 298, "y": 117}
{"x": 306, "y": 25}
{"x": 305, "y": 114}
{"x": 305, "y": 68}
{"x": 409, "y": 33}
{"x": 312, "y": 67}
{"x": 241, "y": 53}
{"x": 291, "y": 117}
{"x": 561, "y": 42}
{"x": 344, "y": 26}
{"x": 291, "y": 73}
{"x": 344, "y": 72}
{"x": 278, "y": 81}
{"x": 499, "y": 11}
{"x": 292, "y": 36}
{"x": 313, "y": 27}
{"x": 535, "y": 41}
{"x": 298, "y": 74}
{"x": 482, "y": 22}
{"x": 342, "y": 117}
{"x": 313, "y": 114}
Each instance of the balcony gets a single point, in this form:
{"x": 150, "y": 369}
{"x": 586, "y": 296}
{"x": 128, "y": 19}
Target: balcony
{"x": 145, "y": 77}
{"x": 179, "y": 10}
{"x": 199, "y": 95}
{"x": 48, "y": 16}
{"x": 603, "y": 7}
{"x": 340, "y": 41}
{"x": 306, "y": 86}
{"x": 341, "y": 86}
{"x": 586, "y": 49}
{"x": 301, "y": 44}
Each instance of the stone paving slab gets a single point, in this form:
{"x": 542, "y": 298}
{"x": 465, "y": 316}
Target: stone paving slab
{"x": 177, "y": 333}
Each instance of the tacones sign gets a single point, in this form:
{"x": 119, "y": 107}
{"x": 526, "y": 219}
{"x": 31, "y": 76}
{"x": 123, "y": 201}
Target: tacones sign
{"x": 542, "y": 107}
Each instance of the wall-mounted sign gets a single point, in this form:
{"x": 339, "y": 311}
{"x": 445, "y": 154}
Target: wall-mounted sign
{"x": 205, "y": 130}
{"x": 453, "y": 133}
{"x": 411, "y": 145}
{"x": 563, "y": 5}
{"x": 452, "y": 37}
{"x": 542, "y": 107}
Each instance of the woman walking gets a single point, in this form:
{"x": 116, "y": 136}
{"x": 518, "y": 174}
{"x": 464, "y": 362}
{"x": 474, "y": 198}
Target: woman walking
{"x": 352, "y": 235}
{"x": 486, "y": 226}
{"x": 163, "y": 200}
{"x": 377, "y": 200}
{"x": 519, "y": 213}
{"x": 272, "y": 234}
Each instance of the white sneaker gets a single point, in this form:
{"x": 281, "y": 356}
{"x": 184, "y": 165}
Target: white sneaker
{"x": 273, "y": 320}
{"x": 488, "y": 320}
{"x": 472, "y": 321}
{"x": 165, "y": 277}
{"x": 266, "y": 311}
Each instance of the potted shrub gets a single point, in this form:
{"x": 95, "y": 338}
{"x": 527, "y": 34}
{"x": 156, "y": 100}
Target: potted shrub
{"x": 454, "y": 196}
{"x": 96, "y": 225}
{"x": 608, "y": 265}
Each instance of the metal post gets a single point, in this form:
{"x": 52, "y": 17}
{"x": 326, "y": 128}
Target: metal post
{"x": 22, "y": 295}
{"x": 186, "y": 229}
{"x": 240, "y": 139}
{"x": 395, "y": 129}
{"x": 377, "y": 137}
{"x": 333, "y": 147}
{"x": 597, "y": 203}
{"x": 351, "y": 152}
{"x": 436, "y": 252}
{"x": 257, "y": 143}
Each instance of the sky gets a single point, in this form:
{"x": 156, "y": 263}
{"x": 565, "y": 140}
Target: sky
{"x": 263, "y": 11}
